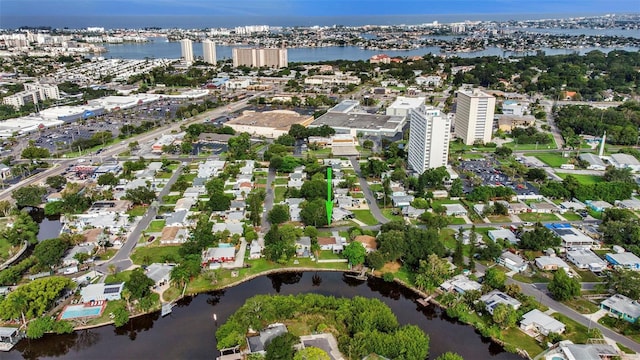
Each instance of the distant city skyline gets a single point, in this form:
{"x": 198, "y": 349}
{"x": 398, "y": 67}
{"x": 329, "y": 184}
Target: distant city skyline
{"x": 305, "y": 7}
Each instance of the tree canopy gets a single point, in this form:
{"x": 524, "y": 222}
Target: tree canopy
{"x": 562, "y": 287}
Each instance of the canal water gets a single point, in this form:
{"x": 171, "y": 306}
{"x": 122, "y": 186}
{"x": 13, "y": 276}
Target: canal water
{"x": 189, "y": 332}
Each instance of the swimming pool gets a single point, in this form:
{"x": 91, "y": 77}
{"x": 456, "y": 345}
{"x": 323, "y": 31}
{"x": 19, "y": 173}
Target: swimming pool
{"x": 78, "y": 311}
{"x": 225, "y": 245}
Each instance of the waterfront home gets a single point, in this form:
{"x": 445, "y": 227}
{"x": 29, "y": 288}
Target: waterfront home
{"x": 536, "y": 322}
{"x": 495, "y": 297}
{"x": 369, "y": 242}
{"x": 512, "y": 262}
{"x": 159, "y": 273}
{"x": 622, "y": 307}
{"x": 624, "y": 259}
{"x": 218, "y": 255}
{"x": 101, "y": 291}
{"x": 255, "y": 250}
{"x": 329, "y": 243}
{"x": 258, "y": 344}
{"x": 303, "y": 246}
{"x": 460, "y": 284}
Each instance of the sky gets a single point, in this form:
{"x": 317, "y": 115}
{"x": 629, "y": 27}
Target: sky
{"x": 309, "y": 7}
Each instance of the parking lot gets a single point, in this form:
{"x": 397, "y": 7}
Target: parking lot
{"x": 488, "y": 170}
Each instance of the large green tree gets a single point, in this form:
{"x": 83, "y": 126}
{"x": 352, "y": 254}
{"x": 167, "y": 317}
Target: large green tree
{"x": 278, "y": 214}
{"x": 138, "y": 284}
{"x": 562, "y": 287}
{"x": 31, "y": 195}
{"x": 49, "y": 252}
{"x": 355, "y": 253}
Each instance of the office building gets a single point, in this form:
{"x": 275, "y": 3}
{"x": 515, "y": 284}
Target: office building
{"x": 209, "y": 51}
{"x": 474, "y": 116}
{"x": 259, "y": 57}
{"x": 187, "y": 50}
{"x": 428, "y": 138}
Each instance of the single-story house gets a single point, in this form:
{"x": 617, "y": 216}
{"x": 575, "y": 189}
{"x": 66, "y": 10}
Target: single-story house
{"x": 159, "y": 273}
{"x": 101, "y": 291}
{"x": 194, "y": 192}
{"x": 303, "y": 246}
{"x": 219, "y": 255}
{"x": 549, "y": 263}
{"x": 595, "y": 163}
{"x": 402, "y": 200}
{"x": 572, "y": 238}
{"x": 455, "y": 210}
{"x": 238, "y": 205}
{"x": 184, "y": 203}
{"x": 173, "y": 235}
{"x": 622, "y": 307}
{"x": 512, "y": 262}
{"x": 586, "y": 259}
{"x": 572, "y": 205}
{"x": 503, "y": 234}
{"x": 518, "y": 208}
{"x": 70, "y": 259}
{"x": 255, "y": 250}
{"x": 368, "y": 241}
{"x": 599, "y": 205}
{"x": 544, "y": 208}
{"x": 495, "y": 297}
{"x": 412, "y": 212}
{"x": 177, "y": 218}
{"x": 626, "y": 260}
{"x": 258, "y": 344}
{"x": 540, "y": 323}
{"x": 234, "y": 228}
{"x": 329, "y": 243}
{"x": 460, "y": 284}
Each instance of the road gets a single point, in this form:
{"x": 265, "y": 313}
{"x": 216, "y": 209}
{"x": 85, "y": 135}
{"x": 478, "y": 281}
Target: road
{"x": 268, "y": 202}
{"x": 368, "y": 195}
{"x": 557, "y": 136}
{"x": 121, "y": 259}
{"x": 116, "y": 149}
{"x": 543, "y": 298}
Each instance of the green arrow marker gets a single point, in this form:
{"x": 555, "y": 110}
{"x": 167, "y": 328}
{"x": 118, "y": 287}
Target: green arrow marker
{"x": 329, "y": 203}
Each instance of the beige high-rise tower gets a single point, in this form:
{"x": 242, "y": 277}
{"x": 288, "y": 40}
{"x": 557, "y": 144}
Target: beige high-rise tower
{"x": 474, "y": 116}
{"x": 209, "y": 51}
{"x": 186, "y": 46}
{"x": 252, "y": 57}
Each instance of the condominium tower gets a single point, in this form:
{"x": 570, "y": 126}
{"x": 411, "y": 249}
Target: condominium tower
{"x": 429, "y": 135}
{"x": 474, "y": 116}
{"x": 209, "y": 51}
{"x": 259, "y": 57}
{"x": 187, "y": 50}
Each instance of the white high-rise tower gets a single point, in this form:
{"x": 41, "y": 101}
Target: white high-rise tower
{"x": 186, "y": 46}
{"x": 429, "y": 135}
{"x": 604, "y": 139}
{"x": 209, "y": 51}
{"x": 474, "y": 116}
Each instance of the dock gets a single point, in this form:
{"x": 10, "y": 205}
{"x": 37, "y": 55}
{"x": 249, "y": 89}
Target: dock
{"x": 9, "y": 337}
{"x": 362, "y": 276}
{"x": 425, "y": 301}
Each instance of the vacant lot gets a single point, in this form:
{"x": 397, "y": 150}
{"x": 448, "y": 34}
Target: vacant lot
{"x": 584, "y": 179}
{"x": 552, "y": 159}
{"x": 365, "y": 216}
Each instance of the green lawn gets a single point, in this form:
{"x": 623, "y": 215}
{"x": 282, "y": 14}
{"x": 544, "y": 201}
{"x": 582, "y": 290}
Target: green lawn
{"x": 163, "y": 175}
{"x": 279, "y": 192}
{"x": 552, "y": 159}
{"x": 388, "y": 213}
{"x": 456, "y": 220}
{"x": 189, "y": 177}
{"x": 621, "y": 326}
{"x": 156, "y": 226}
{"x": 375, "y": 187}
{"x": 499, "y": 219}
{"x": 574, "y": 331}
{"x": 365, "y": 216}
{"x": 534, "y": 217}
{"x": 155, "y": 254}
{"x": 571, "y": 216}
{"x": 583, "y": 179}
{"x": 587, "y": 276}
{"x": 171, "y": 199}
{"x": 582, "y": 305}
{"x": 357, "y": 195}
{"x": 281, "y": 181}
{"x": 329, "y": 255}
{"x": 520, "y": 340}
{"x": 138, "y": 210}
{"x": 122, "y": 276}
{"x": 262, "y": 181}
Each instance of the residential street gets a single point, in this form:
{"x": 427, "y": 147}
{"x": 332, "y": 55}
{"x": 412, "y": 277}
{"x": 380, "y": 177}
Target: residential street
{"x": 368, "y": 195}
{"x": 268, "y": 203}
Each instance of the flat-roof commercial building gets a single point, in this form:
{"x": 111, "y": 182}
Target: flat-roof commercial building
{"x": 344, "y": 118}
{"x": 509, "y": 122}
{"x": 259, "y": 57}
{"x": 270, "y": 124}
{"x": 623, "y": 161}
{"x": 403, "y": 105}
{"x": 474, "y": 116}
{"x": 186, "y": 47}
{"x": 209, "y": 51}
{"x": 428, "y": 138}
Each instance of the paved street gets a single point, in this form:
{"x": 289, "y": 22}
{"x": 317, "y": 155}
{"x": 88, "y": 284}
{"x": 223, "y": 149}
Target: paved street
{"x": 121, "y": 259}
{"x": 268, "y": 202}
{"x": 368, "y": 195}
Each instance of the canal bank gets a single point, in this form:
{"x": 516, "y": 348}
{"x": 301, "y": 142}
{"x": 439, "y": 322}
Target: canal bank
{"x": 189, "y": 331}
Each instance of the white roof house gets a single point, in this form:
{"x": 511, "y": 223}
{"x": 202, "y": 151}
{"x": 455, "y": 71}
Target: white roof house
{"x": 541, "y": 323}
{"x": 512, "y": 261}
{"x": 622, "y": 161}
{"x": 624, "y": 259}
{"x": 159, "y": 273}
{"x": 495, "y": 297}
{"x": 455, "y": 210}
{"x": 503, "y": 234}
{"x": 101, "y": 291}
{"x": 551, "y": 263}
{"x": 595, "y": 163}
{"x": 622, "y": 306}
{"x": 586, "y": 259}
{"x": 632, "y": 204}
{"x": 460, "y": 284}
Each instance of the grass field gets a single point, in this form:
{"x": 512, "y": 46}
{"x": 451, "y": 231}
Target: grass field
{"x": 281, "y": 181}
{"x": 137, "y": 211}
{"x": 365, "y": 216}
{"x": 574, "y": 331}
{"x": 583, "y": 179}
{"x": 456, "y": 220}
{"x": 522, "y": 341}
{"x": 156, "y": 226}
{"x": 582, "y": 305}
{"x": 499, "y": 219}
{"x": 388, "y": 213}
{"x": 571, "y": 216}
{"x": 156, "y": 254}
{"x": 552, "y": 159}
{"x": 171, "y": 199}
{"x": 279, "y": 194}
{"x": 534, "y": 217}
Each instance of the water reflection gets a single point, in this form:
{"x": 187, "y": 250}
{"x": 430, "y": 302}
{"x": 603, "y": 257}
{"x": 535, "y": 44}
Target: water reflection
{"x": 189, "y": 332}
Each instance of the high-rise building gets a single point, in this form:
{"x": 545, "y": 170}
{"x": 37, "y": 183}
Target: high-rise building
{"x": 187, "y": 50}
{"x": 429, "y": 135}
{"x": 209, "y": 51}
{"x": 254, "y": 57}
{"x": 474, "y": 116}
